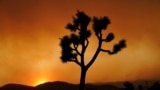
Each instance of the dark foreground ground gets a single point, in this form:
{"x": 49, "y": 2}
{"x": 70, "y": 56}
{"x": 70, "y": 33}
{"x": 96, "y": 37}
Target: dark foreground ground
{"x": 58, "y": 85}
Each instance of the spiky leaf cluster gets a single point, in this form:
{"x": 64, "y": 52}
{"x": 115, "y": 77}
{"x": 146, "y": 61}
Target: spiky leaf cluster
{"x": 100, "y": 24}
{"x": 119, "y": 46}
{"x": 66, "y": 49}
{"x": 109, "y": 37}
{"x": 80, "y": 23}
{"x": 79, "y": 35}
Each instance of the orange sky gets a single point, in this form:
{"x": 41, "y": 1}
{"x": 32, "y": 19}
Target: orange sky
{"x": 30, "y": 32}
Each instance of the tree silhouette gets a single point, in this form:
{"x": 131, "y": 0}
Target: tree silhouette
{"x": 75, "y": 45}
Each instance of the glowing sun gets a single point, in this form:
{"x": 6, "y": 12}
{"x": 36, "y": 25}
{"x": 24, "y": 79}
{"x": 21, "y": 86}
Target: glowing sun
{"x": 40, "y": 81}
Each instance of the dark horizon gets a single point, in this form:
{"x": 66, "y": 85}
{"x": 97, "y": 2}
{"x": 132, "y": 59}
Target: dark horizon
{"x": 60, "y": 85}
{"x": 135, "y": 81}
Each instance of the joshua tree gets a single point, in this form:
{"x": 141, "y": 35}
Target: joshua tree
{"x": 75, "y": 45}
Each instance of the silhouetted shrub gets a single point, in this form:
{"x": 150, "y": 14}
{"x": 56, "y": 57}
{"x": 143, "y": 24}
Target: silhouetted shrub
{"x": 140, "y": 87}
{"x": 128, "y": 86}
{"x": 155, "y": 86}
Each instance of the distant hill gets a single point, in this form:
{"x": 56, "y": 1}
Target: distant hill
{"x": 59, "y": 85}
{"x": 16, "y": 87}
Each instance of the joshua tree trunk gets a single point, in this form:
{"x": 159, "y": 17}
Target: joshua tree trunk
{"x": 82, "y": 79}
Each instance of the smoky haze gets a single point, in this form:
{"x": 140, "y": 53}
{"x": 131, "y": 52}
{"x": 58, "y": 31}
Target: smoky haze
{"x": 30, "y": 31}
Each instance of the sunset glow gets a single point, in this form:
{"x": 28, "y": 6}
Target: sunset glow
{"x": 30, "y": 32}
{"x": 40, "y": 81}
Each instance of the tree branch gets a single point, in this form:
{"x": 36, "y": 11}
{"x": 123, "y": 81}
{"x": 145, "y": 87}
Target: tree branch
{"x": 108, "y": 51}
{"x": 83, "y": 52}
{"x": 93, "y": 58}
{"x": 97, "y": 51}
{"x": 86, "y": 44}
{"x": 76, "y": 49}
{"x": 100, "y": 37}
{"x": 76, "y": 61}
